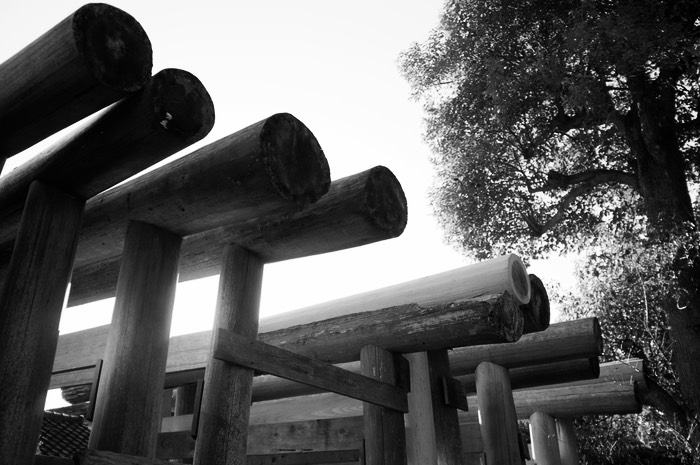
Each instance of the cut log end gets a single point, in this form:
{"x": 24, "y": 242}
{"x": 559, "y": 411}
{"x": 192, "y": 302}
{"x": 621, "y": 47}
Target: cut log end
{"x": 519, "y": 282}
{"x": 182, "y": 104}
{"x": 114, "y": 46}
{"x": 536, "y": 311}
{"x": 386, "y": 201}
{"x": 294, "y": 159}
{"x": 506, "y": 312}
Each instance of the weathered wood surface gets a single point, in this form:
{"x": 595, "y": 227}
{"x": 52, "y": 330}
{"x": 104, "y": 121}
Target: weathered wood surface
{"x": 403, "y": 329}
{"x": 223, "y": 418}
{"x": 533, "y": 376}
{"x": 561, "y": 341}
{"x": 267, "y": 358}
{"x": 100, "y": 457}
{"x": 496, "y": 412}
{"x": 543, "y": 433}
{"x": 128, "y": 406}
{"x": 506, "y": 273}
{"x": 339, "y": 457}
{"x": 357, "y": 210}
{"x": 568, "y": 402}
{"x": 627, "y": 371}
{"x": 31, "y": 300}
{"x": 173, "y": 111}
{"x": 385, "y": 433}
{"x": 89, "y": 60}
{"x": 566, "y": 435}
{"x": 536, "y": 311}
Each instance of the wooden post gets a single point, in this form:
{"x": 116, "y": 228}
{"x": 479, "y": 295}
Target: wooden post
{"x": 128, "y": 410}
{"x": 91, "y": 59}
{"x": 566, "y": 435}
{"x": 499, "y": 425}
{"x": 30, "y": 309}
{"x": 223, "y": 424}
{"x": 385, "y": 435}
{"x": 543, "y": 433}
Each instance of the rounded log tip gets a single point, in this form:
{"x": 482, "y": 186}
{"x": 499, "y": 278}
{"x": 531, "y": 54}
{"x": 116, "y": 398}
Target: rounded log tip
{"x": 509, "y": 317}
{"x": 536, "y": 312}
{"x": 294, "y": 159}
{"x": 519, "y": 281}
{"x": 598, "y": 335}
{"x": 114, "y": 46}
{"x": 386, "y": 201}
{"x": 182, "y": 104}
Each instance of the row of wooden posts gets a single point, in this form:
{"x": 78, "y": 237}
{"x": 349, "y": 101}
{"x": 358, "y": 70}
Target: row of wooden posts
{"x": 259, "y": 195}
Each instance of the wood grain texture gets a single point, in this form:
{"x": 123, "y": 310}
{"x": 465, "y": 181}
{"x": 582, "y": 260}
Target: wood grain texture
{"x": 100, "y": 457}
{"x": 385, "y": 433}
{"x": 31, "y": 300}
{"x": 357, "y": 210}
{"x": 448, "y": 442}
{"x": 173, "y": 111}
{"x": 499, "y": 425}
{"x": 543, "y": 433}
{"x": 93, "y": 58}
{"x": 266, "y": 358}
{"x": 223, "y": 420}
{"x": 566, "y": 435}
{"x": 128, "y": 407}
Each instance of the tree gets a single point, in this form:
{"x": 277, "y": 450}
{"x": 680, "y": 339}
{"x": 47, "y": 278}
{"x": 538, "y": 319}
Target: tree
{"x": 551, "y": 119}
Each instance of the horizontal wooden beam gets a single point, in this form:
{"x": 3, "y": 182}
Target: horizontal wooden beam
{"x": 98, "y": 457}
{"x": 366, "y": 207}
{"x": 307, "y": 458}
{"x": 231, "y": 347}
{"x": 49, "y": 460}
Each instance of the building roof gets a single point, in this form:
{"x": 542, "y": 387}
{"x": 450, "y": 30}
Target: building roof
{"x": 63, "y": 435}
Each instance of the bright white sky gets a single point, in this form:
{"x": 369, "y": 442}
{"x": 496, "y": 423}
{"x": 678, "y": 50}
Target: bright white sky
{"x": 331, "y": 64}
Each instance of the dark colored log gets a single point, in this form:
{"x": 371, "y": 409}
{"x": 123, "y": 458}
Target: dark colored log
{"x": 173, "y": 111}
{"x": 31, "y": 300}
{"x": 267, "y": 358}
{"x": 543, "y": 432}
{"x": 223, "y": 419}
{"x": 47, "y": 460}
{"x": 499, "y": 425}
{"x": 561, "y": 341}
{"x": 580, "y": 369}
{"x": 100, "y": 457}
{"x": 269, "y": 169}
{"x": 357, "y": 210}
{"x": 128, "y": 406}
{"x": 89, "y": 60}
{"x": 536, "y": 311}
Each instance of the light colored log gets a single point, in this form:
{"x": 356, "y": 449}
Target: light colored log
{"x": 496, "y": 413}
{"x": 569, "y": 402}
{"x": 173, "y": 111}
{"x": 128, "y": 406}
{"x": 421, "y": 446}
{"x": 269, "y": 169}
{"x": 366, "y": 207}
{"x": 385, "y": 433}
{"x": 561, "y": 341}
{"x": 89, "y": 60}
{"x": 536, "y": 376}
{"x": 223, "y": 421}
{"x": 543, "y": 433}
{"x": 566, "y": 435}
{"x": 506, "y": 273}
{"x": 31, "y": 300}
{"x": 536, "y": 310}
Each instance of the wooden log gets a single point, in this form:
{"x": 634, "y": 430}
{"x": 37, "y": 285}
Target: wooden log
{"x": 561, "y": 341}
{"x": 100, "y": 457}
{"x": 339, "y": 457}
{"x": 173, "y": 111}
{"x": 536, "y": 310}
{"x": 499, "y": 425}
{"x": 128, "y": 406}
{"x": 566, "y": 435}
{"x": 506, "y": 273}
{"x": 627, "y": 371}
{"x": 223, "y": 424}
{"x": 533, "y": 376}
{"x": 89, "y": 60}
{"x": 232, "y": 348}
{"x": 570, "y": 402}
{"x": 31, "y": 300}
{"x": 366, "y": 207}
{"x": 545, "y": 445}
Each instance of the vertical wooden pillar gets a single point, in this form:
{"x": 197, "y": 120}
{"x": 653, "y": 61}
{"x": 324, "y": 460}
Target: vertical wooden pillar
{"x": 128, "y": 407}
{"x": 30, "y": 310}
{"x": 566, "y": 436}
{"x": 385, "y": 433}
{"x": 543, "y": 433}
{"x": 499, "y": 423}
{"x": 223, "y": 423}
{"x": 184, "y": 405}
{"x": 433, "y": 431}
